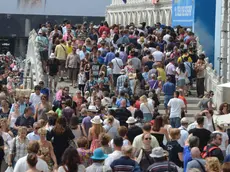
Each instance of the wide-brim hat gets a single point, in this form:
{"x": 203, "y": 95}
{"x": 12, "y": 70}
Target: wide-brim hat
{"x": 96, "y": 120}
{"x": 158, "y": 152}
{"x": 98, "y": 154}
{"x": 92, "y": 109}
{"x": 131, "y": 120}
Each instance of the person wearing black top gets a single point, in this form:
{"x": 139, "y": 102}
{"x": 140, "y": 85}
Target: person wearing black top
{"x": 174, "y": 148}
{"x": 61, "y": 137}
{"x": 25, "y": 120}
{"x": 202, "y": 133}
{"x": 133, "y": 130}
{"x": 212, "y": 149}
{"x": 122, "y": 114}
{"x": 2, "y": 154}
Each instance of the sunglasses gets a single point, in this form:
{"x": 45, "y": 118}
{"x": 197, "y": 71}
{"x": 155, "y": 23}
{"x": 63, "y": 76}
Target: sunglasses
{"x": 37, "y": 128}
{"x": 148, "y": 138}
{"x": 66, "y": 90}
{"x": 26, "y": 97}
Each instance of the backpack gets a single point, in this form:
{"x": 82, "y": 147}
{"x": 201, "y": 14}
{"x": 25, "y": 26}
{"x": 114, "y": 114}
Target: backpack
{"x": 207, "y": 150}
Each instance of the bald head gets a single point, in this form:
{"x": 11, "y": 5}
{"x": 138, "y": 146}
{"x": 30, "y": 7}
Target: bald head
{"x": 195, "y": 152}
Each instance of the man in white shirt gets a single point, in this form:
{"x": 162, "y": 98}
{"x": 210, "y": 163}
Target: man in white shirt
{"x": 158, "y": 55}
{"x": 138, "y": 140}
{"x": 175, "y": 106}
{"x": 35, "y": 98}
{"x": 22, "y": 166}
{"x": 34, "y": 135}
{"x": 183, "y": 132}
{"x": 117, "y": 66}
{"x": 167, "y": 36}
{"x": 117, "y": 144}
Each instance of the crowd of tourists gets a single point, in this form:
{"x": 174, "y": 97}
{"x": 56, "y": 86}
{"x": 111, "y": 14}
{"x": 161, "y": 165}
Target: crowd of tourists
{"x": 112, "y": 123}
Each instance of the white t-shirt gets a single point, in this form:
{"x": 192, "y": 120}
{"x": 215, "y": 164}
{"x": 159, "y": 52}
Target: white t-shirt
{"x": 158, "y": 56}
{"x": 183, "y": 136}
{"x": 117, "y": 65}
{"x": 113, "y": 156}
{"x": 180, "y": 74}
{"x": 224, "y": 138}
{"x": 147, "y": 107}
{"x": 22, "y": 166}
{"x": 35, "y": 99}
{"x": 166, "y": 38}
{"x": 176, "y": 105}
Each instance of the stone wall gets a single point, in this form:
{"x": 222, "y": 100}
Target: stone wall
{"x": 137, "y": 11}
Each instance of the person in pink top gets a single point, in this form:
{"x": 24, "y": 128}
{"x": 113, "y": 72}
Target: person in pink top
{"x": 59, "y": 94}
{"x": 104, "y": 28}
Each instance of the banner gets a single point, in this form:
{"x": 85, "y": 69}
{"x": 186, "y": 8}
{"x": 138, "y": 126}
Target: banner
{"x": 94, "y": 8}
{"x": 182, "y": 13}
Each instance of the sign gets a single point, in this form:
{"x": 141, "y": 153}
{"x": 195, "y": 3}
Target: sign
{"x": 182, "y": 13}
{"x": 94, "y": 8}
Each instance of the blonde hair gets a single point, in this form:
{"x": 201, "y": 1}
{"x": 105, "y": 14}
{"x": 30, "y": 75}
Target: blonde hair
{"x": 174, "y": 132}
{"x": 110, "y": 119}
{"x": 42, "y": 131}
{"x": 98, "y": 129}
{"x": 143, "y": 99}
{"x": 21, "y": 129}
{"x": 213, "y": 164}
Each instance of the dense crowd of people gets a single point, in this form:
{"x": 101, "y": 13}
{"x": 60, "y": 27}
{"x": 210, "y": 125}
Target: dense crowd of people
{"x": 112, "y": 123}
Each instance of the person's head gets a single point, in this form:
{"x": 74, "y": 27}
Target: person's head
{"x": 184, "y": 122}
{"x": 138, "y": 114}
{"x": 41, "y": 84}
{"x": 32, "y": 160}
{"x": 82, "y": 142}
{"x": 74, "y": 121}
{"x": 200, "y": 121}
{"x": 16, "y": 106}
{"x": 146, "y": 139}
{"x": 37, "y": 89}
{"x": 42, "y": 133}
{"x": 71, "y": 159}
{"x": 33, "y": 147}
{"x": 176, "y": 94}
{"x": 110, "y": 119}
{"x": 174, "y": 133}
{"x": 127, "y": 150}
{"x": 36, "y": 126}
{"x": 60, "y": 125}
{"x": 28, "y": 111}
{"x": 158, "y": 123}
{"x": 27, "y": 99}
{"x": 193, "y": 141}
{"x": 104, "y": 139}
{"x": 122, "y": 131}
{"x": 123, "y": 103}
{"x": 224, "y": 108}
{"x": 226, "y": 167}
{"x": 22, "y": 132}
{"x": 147, "y": 128}
{"x": 117, "y": 143}
{"x": 195, "y": 152}
{"x": 4, "y": 103}
{"x": 212, "y": 164}
{"x": 216, "y": 138}
{"x": 66, "y": 91}
{"x": 143, "y": 99}
{"x": 44, "y": 98}
{"x": 158, "y": 154}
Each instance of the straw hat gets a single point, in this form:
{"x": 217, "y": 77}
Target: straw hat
{"x": 131, "y": 120}
{"x": 92, "y": 108}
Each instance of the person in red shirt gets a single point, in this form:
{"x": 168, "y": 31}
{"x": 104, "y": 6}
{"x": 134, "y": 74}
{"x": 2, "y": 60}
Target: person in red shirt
{"x": 104, "y": 28}
{"x": 181, "y": 96}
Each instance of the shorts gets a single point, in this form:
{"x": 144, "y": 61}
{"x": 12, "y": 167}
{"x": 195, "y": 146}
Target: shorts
{"x": 181, "y": 83}
{"x": 44, "y": 55}
{"x": 62, "y": 64}
{"x": 55, "y": 78}
{"x": 72, "y": 73}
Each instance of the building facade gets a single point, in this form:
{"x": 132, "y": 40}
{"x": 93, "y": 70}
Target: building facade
{"x": 138, "y": 11}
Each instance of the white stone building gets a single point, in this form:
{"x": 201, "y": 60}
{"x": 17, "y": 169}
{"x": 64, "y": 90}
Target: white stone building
{"x": 138, "y": 11}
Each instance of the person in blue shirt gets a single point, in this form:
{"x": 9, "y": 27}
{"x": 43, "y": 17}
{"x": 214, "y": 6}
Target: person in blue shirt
{"x": 122, "y": 97}
{"x": 100, "y": 59}
{"x": 44, "y": 90}
{"x": 193, "y": 141}
{"x": 110, "y": 56}
{"x": 168, "y": 89}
